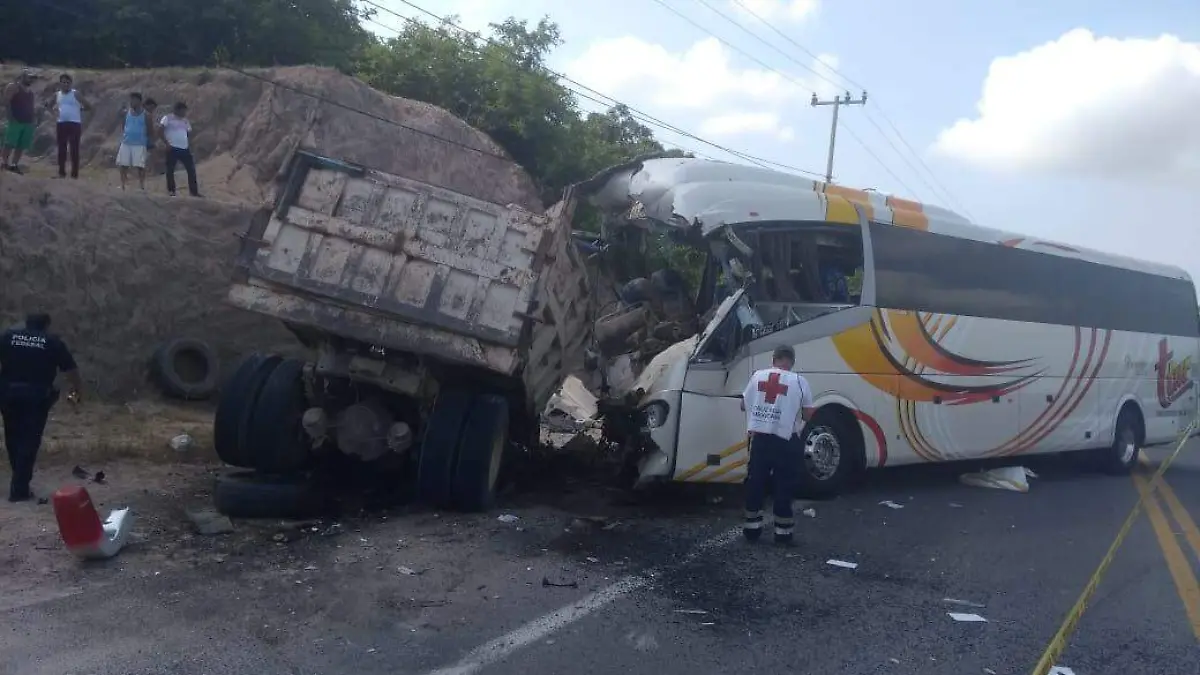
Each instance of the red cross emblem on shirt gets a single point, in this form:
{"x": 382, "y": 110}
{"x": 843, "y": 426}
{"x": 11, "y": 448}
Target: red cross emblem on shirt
{"x": 772, "y": 388}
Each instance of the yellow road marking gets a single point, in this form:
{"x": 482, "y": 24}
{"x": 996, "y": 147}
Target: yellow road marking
{"x": 1190, "y": 532}
{"x": 1181, "y": 569}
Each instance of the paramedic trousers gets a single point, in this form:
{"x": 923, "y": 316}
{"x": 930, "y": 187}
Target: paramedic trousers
{"x": 773, "y": 464}
{"x": 25, "y": 410}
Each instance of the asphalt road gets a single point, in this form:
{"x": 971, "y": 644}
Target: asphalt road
{"x": 661, "y": 587}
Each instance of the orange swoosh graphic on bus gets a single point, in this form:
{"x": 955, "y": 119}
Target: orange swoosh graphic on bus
{"x": 868, "y": 350}
{"x": 917, "y": 342}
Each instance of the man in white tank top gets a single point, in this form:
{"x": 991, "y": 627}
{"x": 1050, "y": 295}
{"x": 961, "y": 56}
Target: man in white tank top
{"x": 69, "y": 106}
{"x": 775, "y": 400}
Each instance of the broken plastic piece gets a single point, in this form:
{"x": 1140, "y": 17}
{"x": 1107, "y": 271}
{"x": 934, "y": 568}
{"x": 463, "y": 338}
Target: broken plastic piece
{"x": 81, "y": 528}
{"x": 891, "y": 504}
{"x": 1015, "y": 478}
{"x": 967, "y": 618}
{"x": 811, "y": 513}
{"x": 842, "y": 563}
{"x": 507, "y": 518}
{"x": 1061, "y": 670}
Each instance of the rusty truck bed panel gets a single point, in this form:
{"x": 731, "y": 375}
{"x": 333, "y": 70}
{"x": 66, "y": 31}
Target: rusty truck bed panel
{"x": 405, "y": 265}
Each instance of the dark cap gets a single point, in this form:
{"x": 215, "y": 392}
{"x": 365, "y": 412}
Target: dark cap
{"x": 784, "y": 352}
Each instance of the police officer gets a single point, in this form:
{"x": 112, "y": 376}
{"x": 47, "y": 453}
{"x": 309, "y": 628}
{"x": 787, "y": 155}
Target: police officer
{"x": 775, "y": 400}
{"x": 30, "y": 358}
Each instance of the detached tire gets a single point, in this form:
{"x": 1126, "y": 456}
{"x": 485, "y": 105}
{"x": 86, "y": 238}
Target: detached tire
{"x": 829, "y": 457}
{"x": 275, "y": 439}
{"x": 235, "y": 407}
{"x": 439, "y": 448}
{"x": 1122, "y": 456}
{"x": 186, "y": 368}
{"x": 480, "y": 453}
{"x": 248, "y": 494}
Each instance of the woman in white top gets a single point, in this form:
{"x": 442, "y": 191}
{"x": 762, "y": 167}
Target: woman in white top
{"x": 70, "y": 106}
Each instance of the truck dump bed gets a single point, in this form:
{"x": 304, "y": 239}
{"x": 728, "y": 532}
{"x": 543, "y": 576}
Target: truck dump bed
{"x": 396, "y": 263}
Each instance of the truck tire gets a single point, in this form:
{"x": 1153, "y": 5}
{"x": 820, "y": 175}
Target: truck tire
{"x": 481, "y": 448}
{"x": 439, "y": 448}
{"x": 235, "y": 407}
{"x": 247, "y": 494}
{"x": 274, "y": 439}
{"x": 186, "y": 368}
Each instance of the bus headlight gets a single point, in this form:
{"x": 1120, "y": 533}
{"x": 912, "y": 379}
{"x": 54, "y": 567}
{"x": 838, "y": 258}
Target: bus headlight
{"x": 654, "y": 414}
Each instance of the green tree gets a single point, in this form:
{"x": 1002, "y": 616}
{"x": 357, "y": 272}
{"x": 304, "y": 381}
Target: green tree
{"x": 502, "y": 87}
{"x": 118, "y": 33}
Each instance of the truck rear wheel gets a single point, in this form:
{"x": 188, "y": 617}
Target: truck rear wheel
{"x": 480, "y": 453}
{"x": 276, "y": 440}
{"x": 234, "y": 409}
{"x": 439, "y": 448}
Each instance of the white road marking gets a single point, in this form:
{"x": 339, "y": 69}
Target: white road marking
{"x": 500, "y": 648}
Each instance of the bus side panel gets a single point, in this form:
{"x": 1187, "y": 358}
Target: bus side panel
{"x": 953, "y": 387}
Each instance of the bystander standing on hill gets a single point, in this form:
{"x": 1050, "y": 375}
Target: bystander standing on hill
{"x": 69, "y": 106}
{"x": 175, "y": 128}
{"x": 134, "y": 141}
{"x": 22, "y": 120}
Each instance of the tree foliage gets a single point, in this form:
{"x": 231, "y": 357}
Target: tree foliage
{"x": 501, "y": 87}
{"x": 138, "y": 33}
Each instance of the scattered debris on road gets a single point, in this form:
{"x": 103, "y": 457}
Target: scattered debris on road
{"x": 967, "y": 618}
{"x": 1061, "y": 670}
{"x": 891, "y": 504}
{"x": 811, "y": 513}
{"x": 181, "y": 443}
{"x": 690, "y": 611}
{"x": 83, "y": 474}
{"x": 842, "y": 564}
{"x": 555, "y": 584}
{"x": 1015, "y": 478}
{"x": 964, "y": 603}
{"x": 209, "y": 522}
{"x": 507, "y": 518}
{"x": 81, "y": 529}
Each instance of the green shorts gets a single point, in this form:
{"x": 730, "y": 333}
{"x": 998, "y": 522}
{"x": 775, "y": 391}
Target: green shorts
{"x": 19, "y": 135}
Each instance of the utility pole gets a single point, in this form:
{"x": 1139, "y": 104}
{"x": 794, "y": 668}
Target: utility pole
{"x": 837, "y": 103}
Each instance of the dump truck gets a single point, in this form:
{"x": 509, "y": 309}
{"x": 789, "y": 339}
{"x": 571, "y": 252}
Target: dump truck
{"x": 436, "y": 325}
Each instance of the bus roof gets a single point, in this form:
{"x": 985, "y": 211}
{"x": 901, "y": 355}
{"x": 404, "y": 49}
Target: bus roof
{"x": 710, "y": 194}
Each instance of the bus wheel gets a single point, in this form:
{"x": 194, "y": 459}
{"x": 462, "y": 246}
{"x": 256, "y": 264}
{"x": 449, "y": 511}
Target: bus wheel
{"x": 1120, "y": 459}
{"x": 830, "y": 457}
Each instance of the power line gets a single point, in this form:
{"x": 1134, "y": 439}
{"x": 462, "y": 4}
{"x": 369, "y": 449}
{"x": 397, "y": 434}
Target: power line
{"x": 762, "y": 63}
{"x": 944, "y": 191}
{"x": 637, "y": 114}
{"x": 603, "y": 104}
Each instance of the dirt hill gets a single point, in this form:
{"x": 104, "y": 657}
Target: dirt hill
{"x": 123, "y": 271}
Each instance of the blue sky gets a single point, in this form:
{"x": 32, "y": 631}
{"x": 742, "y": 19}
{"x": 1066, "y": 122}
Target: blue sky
{"x": 1091, "y": 133}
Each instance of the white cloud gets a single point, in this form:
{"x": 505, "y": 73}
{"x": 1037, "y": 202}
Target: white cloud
{"x": 701, "y": 80}
{"x": 792, "y": 10}
{"x": 1083, "y": 104}
{"x": 735, "y": 123}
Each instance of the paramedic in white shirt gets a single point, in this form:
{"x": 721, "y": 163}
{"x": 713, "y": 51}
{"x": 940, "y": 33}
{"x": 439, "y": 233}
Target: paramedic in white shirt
{"x": 776, "y": 400}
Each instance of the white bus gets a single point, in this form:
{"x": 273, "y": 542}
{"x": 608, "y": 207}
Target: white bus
{"x": 925, "y": 338}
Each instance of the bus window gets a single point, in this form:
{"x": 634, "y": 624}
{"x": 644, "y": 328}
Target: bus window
{"x": 802, "y": 270}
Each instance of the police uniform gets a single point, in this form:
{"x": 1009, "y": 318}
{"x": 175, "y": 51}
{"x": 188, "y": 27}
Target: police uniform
{"x": 30, "y": 358}
{"x": 773, "y": 400}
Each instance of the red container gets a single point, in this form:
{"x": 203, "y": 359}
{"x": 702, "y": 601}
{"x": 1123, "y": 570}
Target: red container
{"x": 78, "y": 522}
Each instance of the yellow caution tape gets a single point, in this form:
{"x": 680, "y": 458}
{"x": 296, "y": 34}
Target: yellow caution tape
{"x": 1058, "y": 644}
